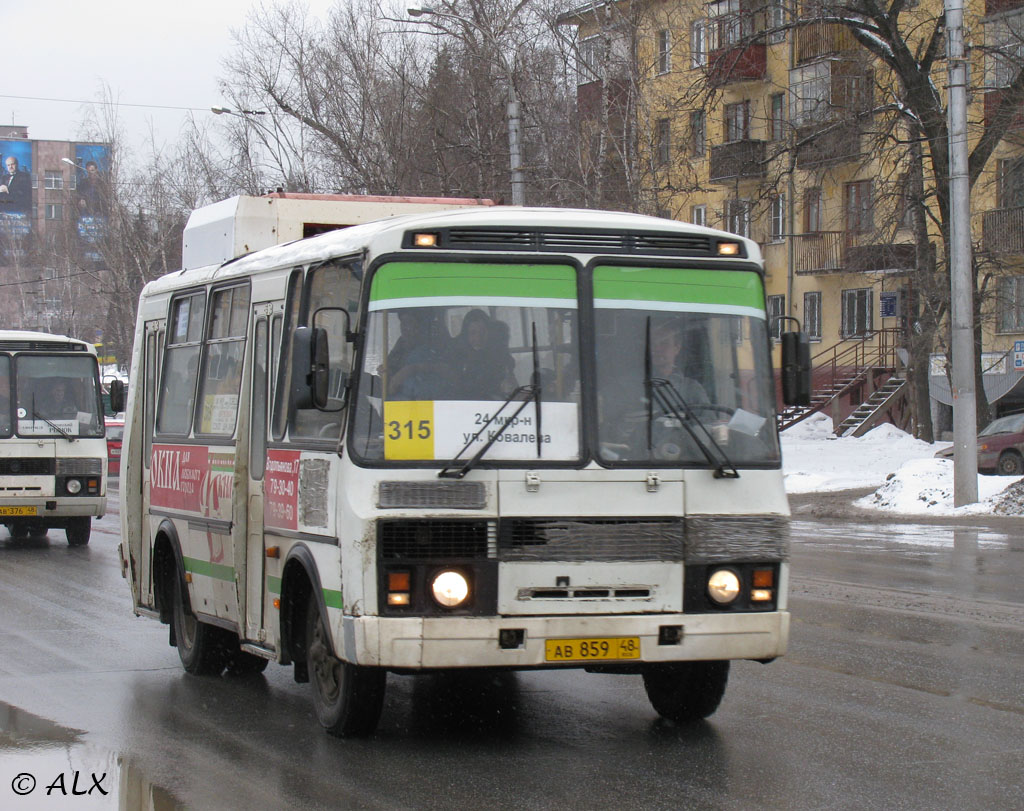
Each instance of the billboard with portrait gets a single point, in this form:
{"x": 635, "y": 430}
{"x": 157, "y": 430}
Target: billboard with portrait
{"x": 15, "y": 187}
{"x": 92, "y": 166}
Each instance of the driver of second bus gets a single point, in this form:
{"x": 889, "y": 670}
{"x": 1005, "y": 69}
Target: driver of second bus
{"x": 59, "y": 401}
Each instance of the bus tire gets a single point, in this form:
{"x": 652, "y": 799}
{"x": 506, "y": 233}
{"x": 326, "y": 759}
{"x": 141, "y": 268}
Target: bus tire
{"x": 348, "y": 698}
{"x": 202, "y": 648}
{"x": 78, "y": 531}
{"x": 19, "y": 532}
{"x": 243, "y": 663}
{"x": 686, "y": 691}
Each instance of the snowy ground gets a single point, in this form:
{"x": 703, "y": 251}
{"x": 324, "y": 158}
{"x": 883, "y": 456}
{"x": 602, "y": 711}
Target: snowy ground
{"x": 909, "y": 480}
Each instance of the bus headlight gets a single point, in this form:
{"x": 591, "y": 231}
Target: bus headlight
{"x": 73, "y": 486}
{"x": 723, "y": 586}
{"x": 450, "y": 588}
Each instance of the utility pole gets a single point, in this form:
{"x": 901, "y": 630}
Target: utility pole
{"x": 961, "y": 278}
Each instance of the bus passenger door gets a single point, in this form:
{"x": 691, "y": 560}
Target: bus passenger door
{"x": 255, "y": 551}
{"x": 153, "y": 351}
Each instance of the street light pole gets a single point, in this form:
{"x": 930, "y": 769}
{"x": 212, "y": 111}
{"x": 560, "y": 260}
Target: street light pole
{"x": 965, "y": 406}
{"x": 251, "y": 117}
{"x": 512, "y": 109}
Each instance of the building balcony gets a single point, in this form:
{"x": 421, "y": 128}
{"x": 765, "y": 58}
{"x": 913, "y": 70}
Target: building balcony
{"x": 1002, "y": 230}
{"x": 815, "y": 39}
{"x": 743, "y": 62}
{"x": 828, "y": 142}
{"x": 737, "y": 160}
{"x": 847, "y": 252}
{"x": 590, "y": 96}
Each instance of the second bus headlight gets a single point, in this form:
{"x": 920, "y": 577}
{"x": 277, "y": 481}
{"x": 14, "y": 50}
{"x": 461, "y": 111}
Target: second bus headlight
{"x": 450, "y": 588}
{"x": 723, "y": 586}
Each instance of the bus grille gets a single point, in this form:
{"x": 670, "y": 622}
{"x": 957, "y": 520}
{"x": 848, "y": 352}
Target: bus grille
{"x": 555, "y": 240}
{"x": 40, "y": 346}
{"x": 590, "y": 539}
{"x": 432, "y": 540}
{"x": 28, "y": 466}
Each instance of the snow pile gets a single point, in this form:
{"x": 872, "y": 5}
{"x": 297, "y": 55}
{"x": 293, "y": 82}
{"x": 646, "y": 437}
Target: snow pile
{"x": 815, "y": 460}
{"x": 909, "y": 480}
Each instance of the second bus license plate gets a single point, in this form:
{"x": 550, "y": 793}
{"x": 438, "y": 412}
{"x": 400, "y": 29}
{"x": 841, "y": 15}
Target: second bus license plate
{"x": 18, "y": 511}
{"x": 592, "y": 649}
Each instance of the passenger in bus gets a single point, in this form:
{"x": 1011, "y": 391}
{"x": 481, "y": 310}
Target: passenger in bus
{"x": 483, "y": 364}
{"x": 419, "y": 365}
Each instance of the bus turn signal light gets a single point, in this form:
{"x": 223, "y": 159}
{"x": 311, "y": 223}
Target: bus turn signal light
{"x": 425, "y": 240}
{"x": 728, "y": 249}
{"x": 763, "y": 578}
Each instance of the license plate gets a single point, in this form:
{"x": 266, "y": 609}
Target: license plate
{"x": 18, "y": 511}
{"x": 592, "y": 649}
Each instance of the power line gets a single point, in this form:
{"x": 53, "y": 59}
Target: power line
{"x": 55, "y": 278}
{"x": 116, "y": 103}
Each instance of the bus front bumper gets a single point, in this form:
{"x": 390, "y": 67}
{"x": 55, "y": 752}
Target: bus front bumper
{"x": 422, "y": 643}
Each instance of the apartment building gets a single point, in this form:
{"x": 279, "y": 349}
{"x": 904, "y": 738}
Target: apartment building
{"x": 53, "y": 197}
{"x": 775, "y": 122}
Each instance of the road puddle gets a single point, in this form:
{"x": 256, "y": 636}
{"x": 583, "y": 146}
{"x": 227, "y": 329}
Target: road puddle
{"x": 47, "y": 766}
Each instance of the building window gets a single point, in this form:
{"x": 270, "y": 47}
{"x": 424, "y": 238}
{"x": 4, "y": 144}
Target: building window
{"x": 856, "y": 313}
{"x": 698, "y": 134}
{"x": 663, "y": 142}
{"x": 777, "y": 218}
{"x": 664, "y": 51}
{"x": 777, "y": 22}
{"x": 777, "y": 116}
{"x": 1004, "y": 37}
{"x": 54, "y": 211}
{"x": 810, "y": 94}
{"x": 590, "y": 57}
{"x": 776, "y": 313}
{"x": 737, "y": 121}
{"x": 53, "y": 180}
{"x": 860, "y": 217}
{"x": 1010, "y": 188}
{"x": 1011, "y": 304}
{"x": 812, "y": 315}
{"x": 699, "y": 214}
{"x": 737, "y": 217}
{"x": 728, "y": 23}
{"x": 699, "y": 44}
{"x": 813, "y": 219}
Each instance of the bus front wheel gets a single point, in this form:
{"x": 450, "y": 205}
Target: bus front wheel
{"x": 686, "y": 691}
{"x": 348, "y": 698}
{"x": 202, "y": 648}
{"x": 78, "y": 531}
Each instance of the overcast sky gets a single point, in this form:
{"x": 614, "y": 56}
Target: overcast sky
{"x": 165, "y": 54}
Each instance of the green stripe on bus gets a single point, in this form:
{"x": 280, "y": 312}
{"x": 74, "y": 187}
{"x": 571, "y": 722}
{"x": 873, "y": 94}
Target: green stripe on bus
{"x": 332, "y": 598}
{"x": 437, "y": 279}
{"x": 218, "y": 571}
{"x": 742, "y": 288}
{"x": 274, "y": 585}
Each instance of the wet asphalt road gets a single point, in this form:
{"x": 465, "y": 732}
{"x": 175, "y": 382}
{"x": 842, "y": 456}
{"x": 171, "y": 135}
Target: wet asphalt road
{"x": 904, "y": 688}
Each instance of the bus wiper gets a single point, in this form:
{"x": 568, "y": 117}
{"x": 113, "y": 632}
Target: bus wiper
{"x": 36, "y": 415}
{"x": 672, "y": 402}
{"x": 532, "y": 392}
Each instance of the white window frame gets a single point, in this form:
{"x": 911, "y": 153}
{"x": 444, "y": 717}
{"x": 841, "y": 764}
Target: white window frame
{"x": 776, "y": 310}
{"x": 664, "y": 51}
{"x": 737, "y": 217}
{"x": 776, "y": 21}
{"x": 699, "y": 214}
{"x": 589, "y": 56}
{"x": 777, "y": 218}
{"x": 810, "y": 94}
{"x": 812, "y": 315}
{"x": 698, "y": 133}
{"x": 54, "y": 211}
{"x": 858, "y": 308}
{"x": 53, "y": 179}
{"x": 1004, "y": 37}
{"x": 699, "y": 44}
{"x": 1011, "y": 304}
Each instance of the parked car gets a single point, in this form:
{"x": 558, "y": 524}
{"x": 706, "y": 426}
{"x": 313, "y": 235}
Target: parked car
{"x": 1000, "y": 447}
{"x": 115, "y": 432}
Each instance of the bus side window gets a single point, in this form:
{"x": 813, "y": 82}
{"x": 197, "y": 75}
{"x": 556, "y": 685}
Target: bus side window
{"x": 223, "y": 359}
{"x": 258, "y": 428}
{"x": 150, "y": 360}
{"x": 181, "y": 364}
{"x": 332, "y": 287}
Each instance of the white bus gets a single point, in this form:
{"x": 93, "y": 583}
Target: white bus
{"x": 53, "y": 454}
{"x": 503, "y": 438}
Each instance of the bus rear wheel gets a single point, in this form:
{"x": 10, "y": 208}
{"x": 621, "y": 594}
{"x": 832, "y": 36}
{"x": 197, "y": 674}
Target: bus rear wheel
{"x": 686, "y": 691}
{"x": 203, "y": 649}
{"x": 348, "y": 698}
{"x": 78, "y": 531}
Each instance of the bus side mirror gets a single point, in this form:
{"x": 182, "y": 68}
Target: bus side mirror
{"x": 310, "y": 368}
{"x": 796, "y": 369}
{"x": 116, "y": 391}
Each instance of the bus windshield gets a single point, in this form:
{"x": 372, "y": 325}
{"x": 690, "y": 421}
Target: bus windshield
{"x": 452, "y": 351}
{"x": 57, "y": 395}
{"x": 696, "y": 339}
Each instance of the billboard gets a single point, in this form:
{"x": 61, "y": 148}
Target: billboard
{"x": 15, "y": 187}
{"x": 92, "y": 167}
